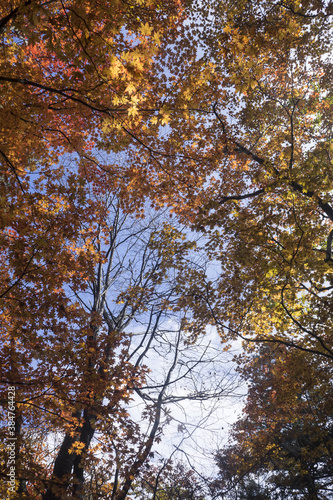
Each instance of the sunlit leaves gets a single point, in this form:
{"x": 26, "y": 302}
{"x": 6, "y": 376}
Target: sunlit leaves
{"x": 271, "y": 198}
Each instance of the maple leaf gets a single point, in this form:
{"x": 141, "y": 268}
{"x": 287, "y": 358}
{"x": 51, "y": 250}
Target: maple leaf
{"x": 145, "y": 29}
{"x": 278, "y": 434}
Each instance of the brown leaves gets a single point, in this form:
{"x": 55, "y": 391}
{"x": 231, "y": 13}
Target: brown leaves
{"x": 285, "y": 430}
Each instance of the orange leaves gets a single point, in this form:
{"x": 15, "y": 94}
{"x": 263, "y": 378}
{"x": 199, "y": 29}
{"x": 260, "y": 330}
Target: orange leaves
{"x": 264, "y": 213}
{"x": 284, "y": 429}
{"x": 87, "y": 65}
{"x": 112, "y": 99}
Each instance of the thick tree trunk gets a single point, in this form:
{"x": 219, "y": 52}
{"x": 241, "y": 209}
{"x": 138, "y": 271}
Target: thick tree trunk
{"x": 87, "y": 434}
{"x": 66, "y": 463}
{"x": 62, "y": 470}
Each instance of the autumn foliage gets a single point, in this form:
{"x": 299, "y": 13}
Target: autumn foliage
{"x": 126, "y": 128}
{"x": 282, "y": 446}
{"x": 74, "y": 76}
{"x": 268, "y": 215}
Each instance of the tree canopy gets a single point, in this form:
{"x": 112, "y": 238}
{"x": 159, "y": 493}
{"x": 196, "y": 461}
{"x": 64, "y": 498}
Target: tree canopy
{"x": 130, "y": 130}
{"x": 282, "y": 446}
{"x": 268, "y": 213}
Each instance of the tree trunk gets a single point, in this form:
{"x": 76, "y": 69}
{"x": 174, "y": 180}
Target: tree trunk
{"x": 66, "y": 463}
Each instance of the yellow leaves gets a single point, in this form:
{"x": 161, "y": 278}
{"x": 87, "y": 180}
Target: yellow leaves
{"x": 228, "y": 29}
{"x": 145, "y": 29}
{"x": 115, "y": 67}
{"x": 188, "y": 93}
{"x": 165, "y": 117}
{"x": 52, "y": 205}
{"x": 132, "y": 111}
{"x": 135, "y": 60}
{"x": 77, "y": 448}
{"x": 242, "y": 88}
{"x": 106, "y": 125}
{"x": 157, "y": 38}
{"x": 131, "y": 89}
{"x": 109, "y": 126}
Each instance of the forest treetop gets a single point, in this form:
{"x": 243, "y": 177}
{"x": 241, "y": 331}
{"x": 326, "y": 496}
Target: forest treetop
{"x": 220, "y": 112}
